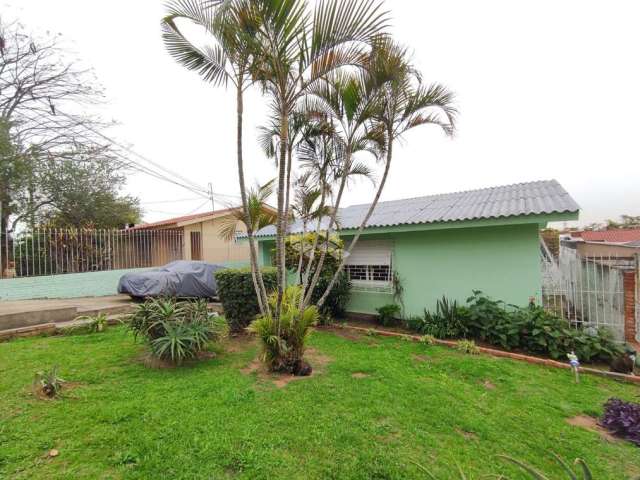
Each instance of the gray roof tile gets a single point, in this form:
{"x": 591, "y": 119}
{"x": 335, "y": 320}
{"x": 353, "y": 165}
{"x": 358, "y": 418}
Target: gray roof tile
{"x": 533, "y": 198}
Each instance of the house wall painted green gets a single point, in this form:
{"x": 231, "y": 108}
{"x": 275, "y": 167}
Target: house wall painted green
{"x": 500, "y": 258}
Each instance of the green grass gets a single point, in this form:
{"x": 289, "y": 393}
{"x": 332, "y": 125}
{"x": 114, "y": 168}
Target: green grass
{"x": 210, "y": 420}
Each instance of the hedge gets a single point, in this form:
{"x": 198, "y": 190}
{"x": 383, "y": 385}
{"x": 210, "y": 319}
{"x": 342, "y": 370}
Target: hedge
{"x": 238, "y": 296}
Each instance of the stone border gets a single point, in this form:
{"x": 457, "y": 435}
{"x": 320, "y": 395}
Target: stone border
{"x": 501, "y": 353}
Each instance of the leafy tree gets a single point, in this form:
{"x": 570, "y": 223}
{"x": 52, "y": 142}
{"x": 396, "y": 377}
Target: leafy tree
{"x": 626, "y": 221}
{"x": 54, "y": 165}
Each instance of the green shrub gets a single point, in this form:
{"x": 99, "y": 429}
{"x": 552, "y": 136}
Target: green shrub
{"x": 428, "y": 340}
{"x": 283, "y": 343}
{"x": 335, "y": 306}
{"x": 388, "y": 314}
{"x": 535, "y": 330}
{"x": 176, "y": 331}
{"x": 467, "y": 346}
{"x": 238, "y": 295}
{"x": 492, "y": 321}
{"x": 448, "y": 321}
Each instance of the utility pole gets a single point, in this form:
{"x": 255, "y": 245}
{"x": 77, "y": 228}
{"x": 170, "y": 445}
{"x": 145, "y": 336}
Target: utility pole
{"x": 213, "y": 206}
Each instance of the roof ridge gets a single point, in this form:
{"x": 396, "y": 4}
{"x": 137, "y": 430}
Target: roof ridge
{"x": 553, "y": 180}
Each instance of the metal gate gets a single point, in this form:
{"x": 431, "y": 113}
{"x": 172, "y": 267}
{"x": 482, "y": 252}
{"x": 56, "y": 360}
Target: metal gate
{"x": 587, "y": 291}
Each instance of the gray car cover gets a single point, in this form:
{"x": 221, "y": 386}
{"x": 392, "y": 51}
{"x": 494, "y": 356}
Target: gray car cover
{"x": 177, "y": 279}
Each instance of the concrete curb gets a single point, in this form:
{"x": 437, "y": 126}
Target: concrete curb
{"x": 501, "y": 353}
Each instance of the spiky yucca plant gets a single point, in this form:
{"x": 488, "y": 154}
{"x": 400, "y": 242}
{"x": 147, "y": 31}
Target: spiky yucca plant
{"x": 176, "y": 331}
{"x": 283, "y": 343}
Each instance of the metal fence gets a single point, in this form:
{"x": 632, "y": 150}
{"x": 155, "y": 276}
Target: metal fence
{"x": 61, "y": 251}
{"x": 588, "y": 291}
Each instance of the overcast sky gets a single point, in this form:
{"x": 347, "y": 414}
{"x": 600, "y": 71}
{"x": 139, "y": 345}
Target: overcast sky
{"x": 546, "y": 89}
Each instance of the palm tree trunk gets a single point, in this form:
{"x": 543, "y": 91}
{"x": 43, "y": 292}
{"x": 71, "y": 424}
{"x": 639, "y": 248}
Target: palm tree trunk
{"x": 300, "y": 260}
{"x": 332, "y": 221}
{"x": 256, "y": 275}
{"x": 362, "y": 225}
{"x": 280, "y": 230}
{"x": 312, "y": 255}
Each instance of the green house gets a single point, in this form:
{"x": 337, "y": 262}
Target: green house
{"x": 448, "y": 244}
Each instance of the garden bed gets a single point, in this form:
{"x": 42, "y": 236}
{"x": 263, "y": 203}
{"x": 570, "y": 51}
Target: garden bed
{"x": 375, "y": 406}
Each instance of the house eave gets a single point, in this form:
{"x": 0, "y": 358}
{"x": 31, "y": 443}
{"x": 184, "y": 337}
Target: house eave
{"x": 540, "y": 219}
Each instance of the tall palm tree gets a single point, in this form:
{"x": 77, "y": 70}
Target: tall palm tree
{"x": 403, "y": 103}
{"x": 232, "y": 26}
{"x": 294, "y": 50}
{"x": 349, "y": 100}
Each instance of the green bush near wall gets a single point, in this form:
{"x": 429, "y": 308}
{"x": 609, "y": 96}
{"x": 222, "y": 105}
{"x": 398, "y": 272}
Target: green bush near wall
{"x": 238, "y": 296}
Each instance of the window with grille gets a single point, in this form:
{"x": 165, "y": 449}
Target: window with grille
{"x": 370, "y": 263}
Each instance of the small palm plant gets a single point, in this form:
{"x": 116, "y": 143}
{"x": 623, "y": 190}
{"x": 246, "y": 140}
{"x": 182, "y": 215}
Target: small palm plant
{"x": 283, "y": 343}
{"x": 48, "y": 382}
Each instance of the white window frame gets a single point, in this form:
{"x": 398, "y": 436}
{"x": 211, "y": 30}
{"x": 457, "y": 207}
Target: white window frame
{"x": 371, "y": 253}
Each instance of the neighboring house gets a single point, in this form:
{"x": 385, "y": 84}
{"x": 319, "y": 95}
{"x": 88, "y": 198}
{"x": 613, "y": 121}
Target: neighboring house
{"x": 449, "y": 245}
{"x": 200, "y": 239}
{"x": 615, "y": 242}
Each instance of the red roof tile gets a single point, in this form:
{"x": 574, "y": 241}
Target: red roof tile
{"x": 611, "y": 236}
{"x": 176, "y": 220}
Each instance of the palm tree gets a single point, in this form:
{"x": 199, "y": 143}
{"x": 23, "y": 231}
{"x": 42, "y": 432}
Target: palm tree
{"x": 260, "y": 214}
{"x": 349, "y": 100}
{"x": 305, "y": 208}
{"x": 403, "y": 103}
{"x": 294, "y": 51}
{"x": 231, "y": 26}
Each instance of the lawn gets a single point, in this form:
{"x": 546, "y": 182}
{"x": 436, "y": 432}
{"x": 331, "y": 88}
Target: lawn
{"x": 406, "y": 403}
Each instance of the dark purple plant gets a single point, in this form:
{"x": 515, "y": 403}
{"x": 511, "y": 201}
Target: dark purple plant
{"x": 622, "y": 419}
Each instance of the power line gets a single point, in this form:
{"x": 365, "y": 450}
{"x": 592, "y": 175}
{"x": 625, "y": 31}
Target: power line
{"x": 194, "y": 211}
{"x": 134, "y": 165}
{"x": 171, "y": 201}
{"x": 139, "y": 167}
{"x": 133, "y": 152}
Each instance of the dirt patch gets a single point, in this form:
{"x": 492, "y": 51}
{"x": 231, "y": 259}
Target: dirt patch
{"x": 488, "y": 385}
{"x": 359, "y": 375}
{"x": 421, "y": 358}
{"x": 466, "y": 434}
{"x": 64, "y": 390}
{"x": 317, "y": 360}
{"x": 591, "y": 424}
{"x": 206, "y": 355}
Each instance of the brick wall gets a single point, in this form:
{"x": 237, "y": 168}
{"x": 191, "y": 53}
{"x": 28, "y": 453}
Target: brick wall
{"x": 72, "y": 285}
{"x": 629, "y": 285}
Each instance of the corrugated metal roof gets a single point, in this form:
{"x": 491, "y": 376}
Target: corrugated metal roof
{"x": 532, "y": 198}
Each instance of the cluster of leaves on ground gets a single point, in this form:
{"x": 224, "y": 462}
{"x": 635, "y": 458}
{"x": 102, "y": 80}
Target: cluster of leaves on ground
{"x": 622, "y": 419}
